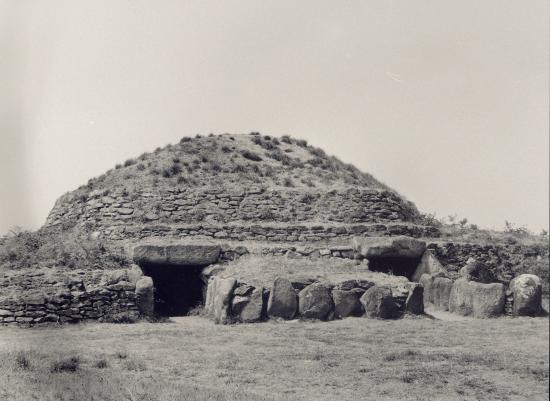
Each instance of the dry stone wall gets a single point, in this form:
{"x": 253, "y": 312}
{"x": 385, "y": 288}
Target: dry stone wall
{"x": 500, "y": 259}
{"x": 41, "y": 297}
{"x": 220, "y": 205}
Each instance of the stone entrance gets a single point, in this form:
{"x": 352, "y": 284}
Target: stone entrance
{"x": 176, "y": 271}
{"x": 399, "y": 256}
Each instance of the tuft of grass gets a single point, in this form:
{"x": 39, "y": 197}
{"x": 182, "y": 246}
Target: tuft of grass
{"x": 102, "y": 363}
{"x": 69, "y": 364}
{"x": 22, "y": 360}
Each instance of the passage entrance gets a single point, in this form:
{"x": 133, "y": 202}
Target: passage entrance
{"x": 176, "y": 273}
{"x": 398, "y": 266}
{"x": 177, "y": 288}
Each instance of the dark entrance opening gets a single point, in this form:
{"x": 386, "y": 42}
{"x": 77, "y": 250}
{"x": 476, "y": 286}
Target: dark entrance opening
{"x": 178, "y": 289}
{"x": 394, "y": 265}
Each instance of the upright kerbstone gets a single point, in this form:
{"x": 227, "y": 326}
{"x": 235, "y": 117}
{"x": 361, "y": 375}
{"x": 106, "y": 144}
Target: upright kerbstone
{"x": 378, "y": 302}
{"x": 248, "y": 308}
{"x": 477, "y": 299}
{"x": 488, "y": 299}
{"x": 283, "y": 301}
{"x": 426, "y": 280}
{"x": 346, "y": 302}
{"x": 145, "y": 296}
{"x": 315, "y": 302}
{"x": 415, "y": 299}
{"x": 440, "y": 292}
{"x": 219, "y": 308}
{"x": 460, "y": 297}
{"x": 526, "y": 290}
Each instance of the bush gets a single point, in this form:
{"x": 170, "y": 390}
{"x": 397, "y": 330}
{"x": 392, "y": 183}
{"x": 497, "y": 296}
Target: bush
{"x": 286, "y": 139}
{"x": 264, "y": 142}
{"x": 140, "y": 167}
{"x": 301, "y": 142}
{"x": 251, "y": 155}
{"x": 287, "y": 182}
{"x": 175, "y": 169}
{"x": 129, "y": 162}
{"x": 226, "y": 149}
{"x": 185, "y": 139}
{"x": 318, "y": 152}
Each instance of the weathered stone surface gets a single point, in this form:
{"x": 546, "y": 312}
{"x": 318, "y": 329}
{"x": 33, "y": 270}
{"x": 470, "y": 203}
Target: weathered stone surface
{"x": 395, "y": 247}
{"x": 477, "y": 271}
{"x": 249, "y": 309}
{"x": 144, "y": 295}
{"x": 426, "y": 280}
{"x": 134, "y": 274}
{"x": 283, "y": 300}
{"x": 477, "y": 299}
{"x": 428, "y": 265}
{"x": 488, "y": 299}
{"x": 378, "y": 302}
{"x": 218, "y": 299}
{"x": 315, "y": 302}
{"x": 415, "y": 299}
{"x": 181, "y": 255}
{"x": 440, "y": 292}
{"x": 527, "y": 292}
{"x": 346, "y": 302}
{"x": 461, "y": 297}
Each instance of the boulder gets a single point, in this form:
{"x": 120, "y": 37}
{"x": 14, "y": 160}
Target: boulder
{"x": 248, "y": 309}
{"x": 415, "y": 299}
{"x": 527, "y": 292}
{"x": 218, "y": 299}
{"x": 346, "y": 302}
{"x": 181, "y": 255}
{"x": 315, "y": 302}
{"x": 282, "y": 301}
{"x": 145, "y": 296}
{"x": 460, "y": 298}
{"x": 426, "y": 280}
{"x": 395, "y": 247}
{"x": 477, "y": 271}
{"x": 428, "y": 265}
{"x": 488, "y": 299}
{"x": 378, "y": 302}
{"x": 440, "y": 291}
{"x": 477, "y": 299}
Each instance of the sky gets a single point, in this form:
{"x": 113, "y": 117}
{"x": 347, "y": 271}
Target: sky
{"x": 446, "y": 102}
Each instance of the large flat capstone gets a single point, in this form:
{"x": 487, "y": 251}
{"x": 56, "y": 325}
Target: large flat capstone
{"x": 181, "y": 255}
{"x": 394, "y": 247}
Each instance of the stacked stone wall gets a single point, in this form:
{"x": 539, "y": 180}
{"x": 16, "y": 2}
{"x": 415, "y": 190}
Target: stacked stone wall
{"x": 181, "y": 205}
{"x": 39, "y": 297}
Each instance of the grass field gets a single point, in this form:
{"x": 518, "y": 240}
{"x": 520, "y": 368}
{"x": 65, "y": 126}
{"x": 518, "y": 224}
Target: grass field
{"x": 190, "y": 358}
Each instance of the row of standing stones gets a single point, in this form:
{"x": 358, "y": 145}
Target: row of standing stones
{"x": 229, "y": 301}
{"x": 472, "y": 293}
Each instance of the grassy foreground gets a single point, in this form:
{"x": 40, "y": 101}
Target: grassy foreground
{"x": 352, "y": 359}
